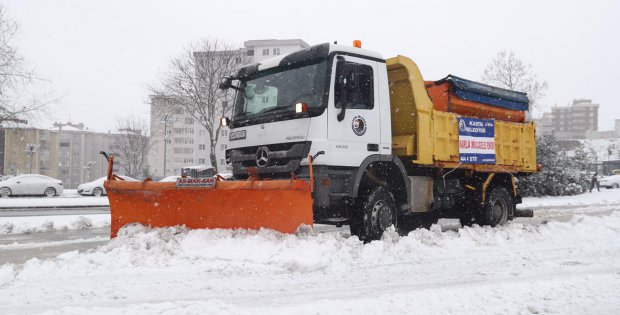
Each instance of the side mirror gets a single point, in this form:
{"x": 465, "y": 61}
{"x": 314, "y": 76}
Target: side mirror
{"x": 226, "y": 83}
{"x": 225, "y": 121}
{"x": 341, "y": 87}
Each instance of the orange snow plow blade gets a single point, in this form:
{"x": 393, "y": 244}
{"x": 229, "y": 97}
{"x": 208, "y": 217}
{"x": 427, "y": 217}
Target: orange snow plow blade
{"x": 281, "y": 205}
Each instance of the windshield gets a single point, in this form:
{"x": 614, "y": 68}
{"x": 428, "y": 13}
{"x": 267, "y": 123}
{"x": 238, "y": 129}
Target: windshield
{"x": 276, "y": 90}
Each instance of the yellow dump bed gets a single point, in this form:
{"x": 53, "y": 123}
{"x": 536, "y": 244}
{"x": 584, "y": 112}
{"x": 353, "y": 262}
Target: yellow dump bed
{"x": 427, "y": 137}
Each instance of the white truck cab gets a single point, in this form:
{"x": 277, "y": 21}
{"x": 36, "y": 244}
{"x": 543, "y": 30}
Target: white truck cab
{"x": 291, "y": 106}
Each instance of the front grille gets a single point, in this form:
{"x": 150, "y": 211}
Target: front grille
{"x": 283, "y": 159}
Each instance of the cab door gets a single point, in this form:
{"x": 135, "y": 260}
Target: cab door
{"x": 355, "y": 131}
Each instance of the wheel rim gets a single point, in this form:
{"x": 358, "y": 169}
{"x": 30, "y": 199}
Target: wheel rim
{"x": 498, "y": 212}
{"x": 381, "y": 215}
{"x": 5, "y": 192}
{"x": 50, "y": 192}
{"x": 97, "y": 192}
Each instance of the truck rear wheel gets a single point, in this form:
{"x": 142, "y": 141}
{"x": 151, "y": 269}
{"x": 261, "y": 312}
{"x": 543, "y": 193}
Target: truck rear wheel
{"x": 375, "y": 213}
{"x": 497, "y": 208}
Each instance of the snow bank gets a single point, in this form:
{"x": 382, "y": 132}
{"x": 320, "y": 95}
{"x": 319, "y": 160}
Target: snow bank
{"x": 68, "y": 199}
{"x": 606, "y": 197}
{"x": 559, "y": 267}
{"x": 18, "y": 225}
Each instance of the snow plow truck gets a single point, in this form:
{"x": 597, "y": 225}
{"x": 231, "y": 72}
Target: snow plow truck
{"x": 336, "y": 134}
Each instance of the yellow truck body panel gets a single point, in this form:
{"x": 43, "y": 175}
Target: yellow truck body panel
{"x": 430, "y": 138}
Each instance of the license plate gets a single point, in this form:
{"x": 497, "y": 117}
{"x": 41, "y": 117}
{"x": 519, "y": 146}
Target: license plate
{"x": 236, "y": 135}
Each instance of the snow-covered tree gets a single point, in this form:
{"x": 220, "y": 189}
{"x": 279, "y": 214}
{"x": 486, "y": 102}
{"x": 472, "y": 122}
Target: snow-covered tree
{"x": 561, "y": 174}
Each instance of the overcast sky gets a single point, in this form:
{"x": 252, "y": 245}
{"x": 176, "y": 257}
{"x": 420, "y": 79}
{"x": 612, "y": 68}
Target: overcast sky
{"x": 101, "y": 55}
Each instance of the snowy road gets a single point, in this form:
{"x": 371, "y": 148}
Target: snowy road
{"x": 566, "y": 260}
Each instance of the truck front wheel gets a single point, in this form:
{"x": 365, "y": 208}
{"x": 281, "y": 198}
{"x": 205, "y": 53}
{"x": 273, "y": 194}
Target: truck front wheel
{"x": 375, "y": 213}
{"x": 497, "y": 207}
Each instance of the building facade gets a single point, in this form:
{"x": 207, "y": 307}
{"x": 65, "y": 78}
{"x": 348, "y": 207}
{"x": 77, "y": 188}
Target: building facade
{"x": 79, "y": 160}
{"x": 68, "y": 152}
{"x": 259, "y": 50}
{"x": 572, "y": 122}
{"x": 28, "y": 151}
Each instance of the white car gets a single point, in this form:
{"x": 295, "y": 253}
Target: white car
{"x": 172, "y": 178}
{"x": 95, "y": 188}
{"x": 610, "y": 182}
{"x": 31, "y": 184}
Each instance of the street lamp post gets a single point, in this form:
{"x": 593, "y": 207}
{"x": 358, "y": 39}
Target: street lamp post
{"x": 31, "y": 149}
{"x": 165, "y": 121}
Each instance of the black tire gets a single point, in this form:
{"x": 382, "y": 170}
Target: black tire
{"x": 5, "y": 192}
{"x": 615, "y": 186}
{"x": 375, "y": 213}
{"x": 97, "y": 192}
{"x": 49, "y": 192}
{"x": 497, "y": 208}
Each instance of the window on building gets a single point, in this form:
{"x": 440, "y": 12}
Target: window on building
{"x": 266, "y": 52}
{"x": 276, "y": 51}
{"x": 222, "y": 161}
{"x": 202, "y": 132}
{"x": 202, "y": 147}
{"x": 250, "y": 52}
{"x": 189, "y": 121}
{"x": 202, "y": 161}
{"x": 223, "y": 146}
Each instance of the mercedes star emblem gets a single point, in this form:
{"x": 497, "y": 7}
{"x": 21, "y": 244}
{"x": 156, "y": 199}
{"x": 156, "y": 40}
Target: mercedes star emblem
{"x": 262, "y": 157}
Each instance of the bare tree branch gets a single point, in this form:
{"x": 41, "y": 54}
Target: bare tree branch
{"x": 16, "y": 77}
{"x": 508, "y": 71}
{"x": 192, "y": 82}
{"x": 133, "y": 145}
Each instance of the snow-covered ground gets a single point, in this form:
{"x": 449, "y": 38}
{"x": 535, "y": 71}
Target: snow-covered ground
{"x": 606, "y": 197}
{"x": 17, "y": 225}
{"x": 69, "y": 198}
{"x": 601, "y": 146}
{"x": 556, "y": 267}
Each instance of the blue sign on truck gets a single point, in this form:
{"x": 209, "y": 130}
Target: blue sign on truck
{"x": 476, "y": 140}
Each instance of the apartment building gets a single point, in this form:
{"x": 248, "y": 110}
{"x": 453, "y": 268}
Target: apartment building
{"x": 79, "y": 160}
{"x": 572, "y": 122}
{"x": 544, "y": 125}
{"x": 259, "y": 50}
{"x": 27, "y": 151}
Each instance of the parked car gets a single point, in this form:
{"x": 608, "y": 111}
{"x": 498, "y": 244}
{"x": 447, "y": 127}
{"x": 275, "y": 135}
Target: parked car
{"x": 31, "y": 184}
{"x": 172, "y": 178}
{"x": 95, "y": 188}
{"x": 610, "y": 182}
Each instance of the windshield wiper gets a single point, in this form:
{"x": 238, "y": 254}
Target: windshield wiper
{"x": 273, "y": 109}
